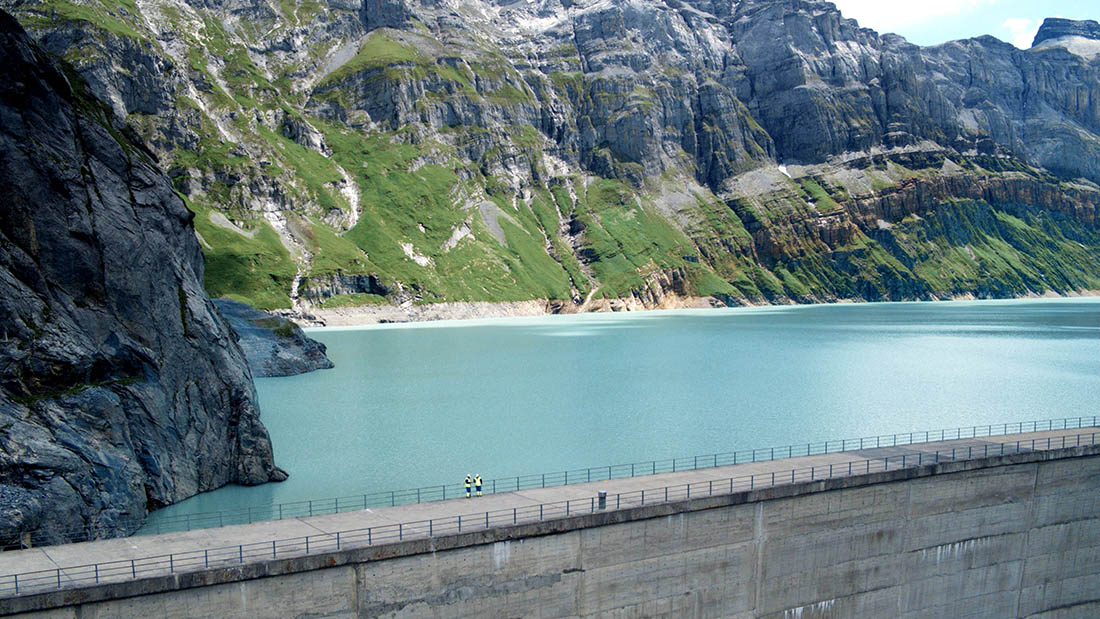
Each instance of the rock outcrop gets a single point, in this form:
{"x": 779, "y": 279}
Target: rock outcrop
{"x": 121, "y": 387}
{"x": 1058, "y": 27}
{"x": 273, "y": 345}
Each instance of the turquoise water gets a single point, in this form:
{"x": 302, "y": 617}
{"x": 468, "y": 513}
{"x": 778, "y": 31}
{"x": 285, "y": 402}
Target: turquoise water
{"x": 414, "y": 405}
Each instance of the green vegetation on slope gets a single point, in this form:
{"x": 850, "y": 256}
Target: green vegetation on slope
{"x": 257, "y": 270}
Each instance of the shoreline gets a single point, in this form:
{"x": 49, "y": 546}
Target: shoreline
{"x": 478, "y": 310}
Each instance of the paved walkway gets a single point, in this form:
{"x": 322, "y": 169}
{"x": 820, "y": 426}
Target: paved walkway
{"x": 74, "y": 565}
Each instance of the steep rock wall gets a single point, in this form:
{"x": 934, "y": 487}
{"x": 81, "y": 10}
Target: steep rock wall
{"x": 121, "y": 387}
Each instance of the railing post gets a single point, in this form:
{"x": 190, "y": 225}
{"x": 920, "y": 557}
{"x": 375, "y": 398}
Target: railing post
{"x": 17, "y": 583}
{"x": 311, "y": 507}
{"x": 400, "y": 532}
{"x": 240, "y": 555}
{"x": 133, "y": 568}
{"x": 272, "y": 549}
{"x": 515, "y": 515}
{"x": 369, "y": 540}
{"x": 58, "y": 578}
{"x": 97, "y": 573}
{"x": 338, "y": 540}
{"x": 307, "y": 544}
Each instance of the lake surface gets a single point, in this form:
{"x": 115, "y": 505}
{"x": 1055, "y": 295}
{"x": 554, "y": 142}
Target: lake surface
{"x": 415, "y": 405}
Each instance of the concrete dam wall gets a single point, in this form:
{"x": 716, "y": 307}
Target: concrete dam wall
{"x": 1005, "y": 536}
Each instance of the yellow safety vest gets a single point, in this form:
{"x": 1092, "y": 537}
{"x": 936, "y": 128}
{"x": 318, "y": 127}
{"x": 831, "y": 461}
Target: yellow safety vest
{"x": 467, "y": 482}
{"x": 477, "y": 480}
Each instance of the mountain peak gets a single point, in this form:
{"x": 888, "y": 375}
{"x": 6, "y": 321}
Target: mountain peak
{"x": 1058, "y": 27}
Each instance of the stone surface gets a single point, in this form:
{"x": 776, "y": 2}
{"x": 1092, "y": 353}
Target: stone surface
{"x": 1058, "y": 27}
{"x": 273, "y": 345}
{"x": 121, "y": 387}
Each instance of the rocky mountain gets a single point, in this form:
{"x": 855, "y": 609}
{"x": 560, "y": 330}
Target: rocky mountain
{"x": 600, "y": 153}
{"x": 121, "y": 387}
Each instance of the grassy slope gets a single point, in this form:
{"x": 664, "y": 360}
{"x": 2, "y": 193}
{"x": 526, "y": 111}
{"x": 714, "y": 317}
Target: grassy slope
{"x": 256, "y": 270}
{"x": 962, "y": 247}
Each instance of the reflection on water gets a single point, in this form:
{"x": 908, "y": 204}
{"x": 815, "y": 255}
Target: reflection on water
{"x": 413, "y": 405}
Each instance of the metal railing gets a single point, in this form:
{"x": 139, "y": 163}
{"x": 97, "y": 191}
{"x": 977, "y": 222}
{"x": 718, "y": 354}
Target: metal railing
{"x": 26, "y": 583}
{"x": 426, "y": 494}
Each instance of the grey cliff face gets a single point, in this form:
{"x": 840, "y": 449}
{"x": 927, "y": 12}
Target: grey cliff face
{"x": 1058, "y": 27}
{"x": 274, "y": 346}
{"x": 121, "y": 387}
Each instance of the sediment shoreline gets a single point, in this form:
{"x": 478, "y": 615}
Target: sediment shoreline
{"x": 472, "y": 310}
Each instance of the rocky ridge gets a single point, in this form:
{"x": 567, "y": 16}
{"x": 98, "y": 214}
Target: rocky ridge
{"x": 396, "y": 152}
{"x": 121, "y": 387}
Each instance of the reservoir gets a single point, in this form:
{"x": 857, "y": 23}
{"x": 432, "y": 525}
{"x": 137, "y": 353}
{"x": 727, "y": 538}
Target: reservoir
{"x": 422, "y": 404}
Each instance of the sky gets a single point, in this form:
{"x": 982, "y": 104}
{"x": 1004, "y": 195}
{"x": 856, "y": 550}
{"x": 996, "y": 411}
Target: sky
{"x": 930, "y": 22}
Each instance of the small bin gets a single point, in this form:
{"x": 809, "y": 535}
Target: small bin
{"x": 603, "y": 499}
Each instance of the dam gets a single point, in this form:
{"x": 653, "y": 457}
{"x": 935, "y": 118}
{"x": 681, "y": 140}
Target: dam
{"x": 1001, "y": 526}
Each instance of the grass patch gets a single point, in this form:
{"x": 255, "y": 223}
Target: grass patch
{"x": 257, "y": 271}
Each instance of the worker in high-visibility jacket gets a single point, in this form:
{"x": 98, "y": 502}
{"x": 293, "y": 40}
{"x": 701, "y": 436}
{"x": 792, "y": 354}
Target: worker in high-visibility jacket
{"x": 477, "y": 484}
{"x": 468, "y": 481}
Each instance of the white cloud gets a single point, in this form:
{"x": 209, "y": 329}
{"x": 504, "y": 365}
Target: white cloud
{"x": 890, "y": 16}
{"x": 1021, "y": 31}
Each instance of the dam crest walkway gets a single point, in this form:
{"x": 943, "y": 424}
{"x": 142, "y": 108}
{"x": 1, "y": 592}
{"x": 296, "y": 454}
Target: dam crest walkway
{"x": 74, "y": 566}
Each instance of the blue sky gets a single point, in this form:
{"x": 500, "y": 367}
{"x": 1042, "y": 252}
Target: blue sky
{"x": 929, "y": 22}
